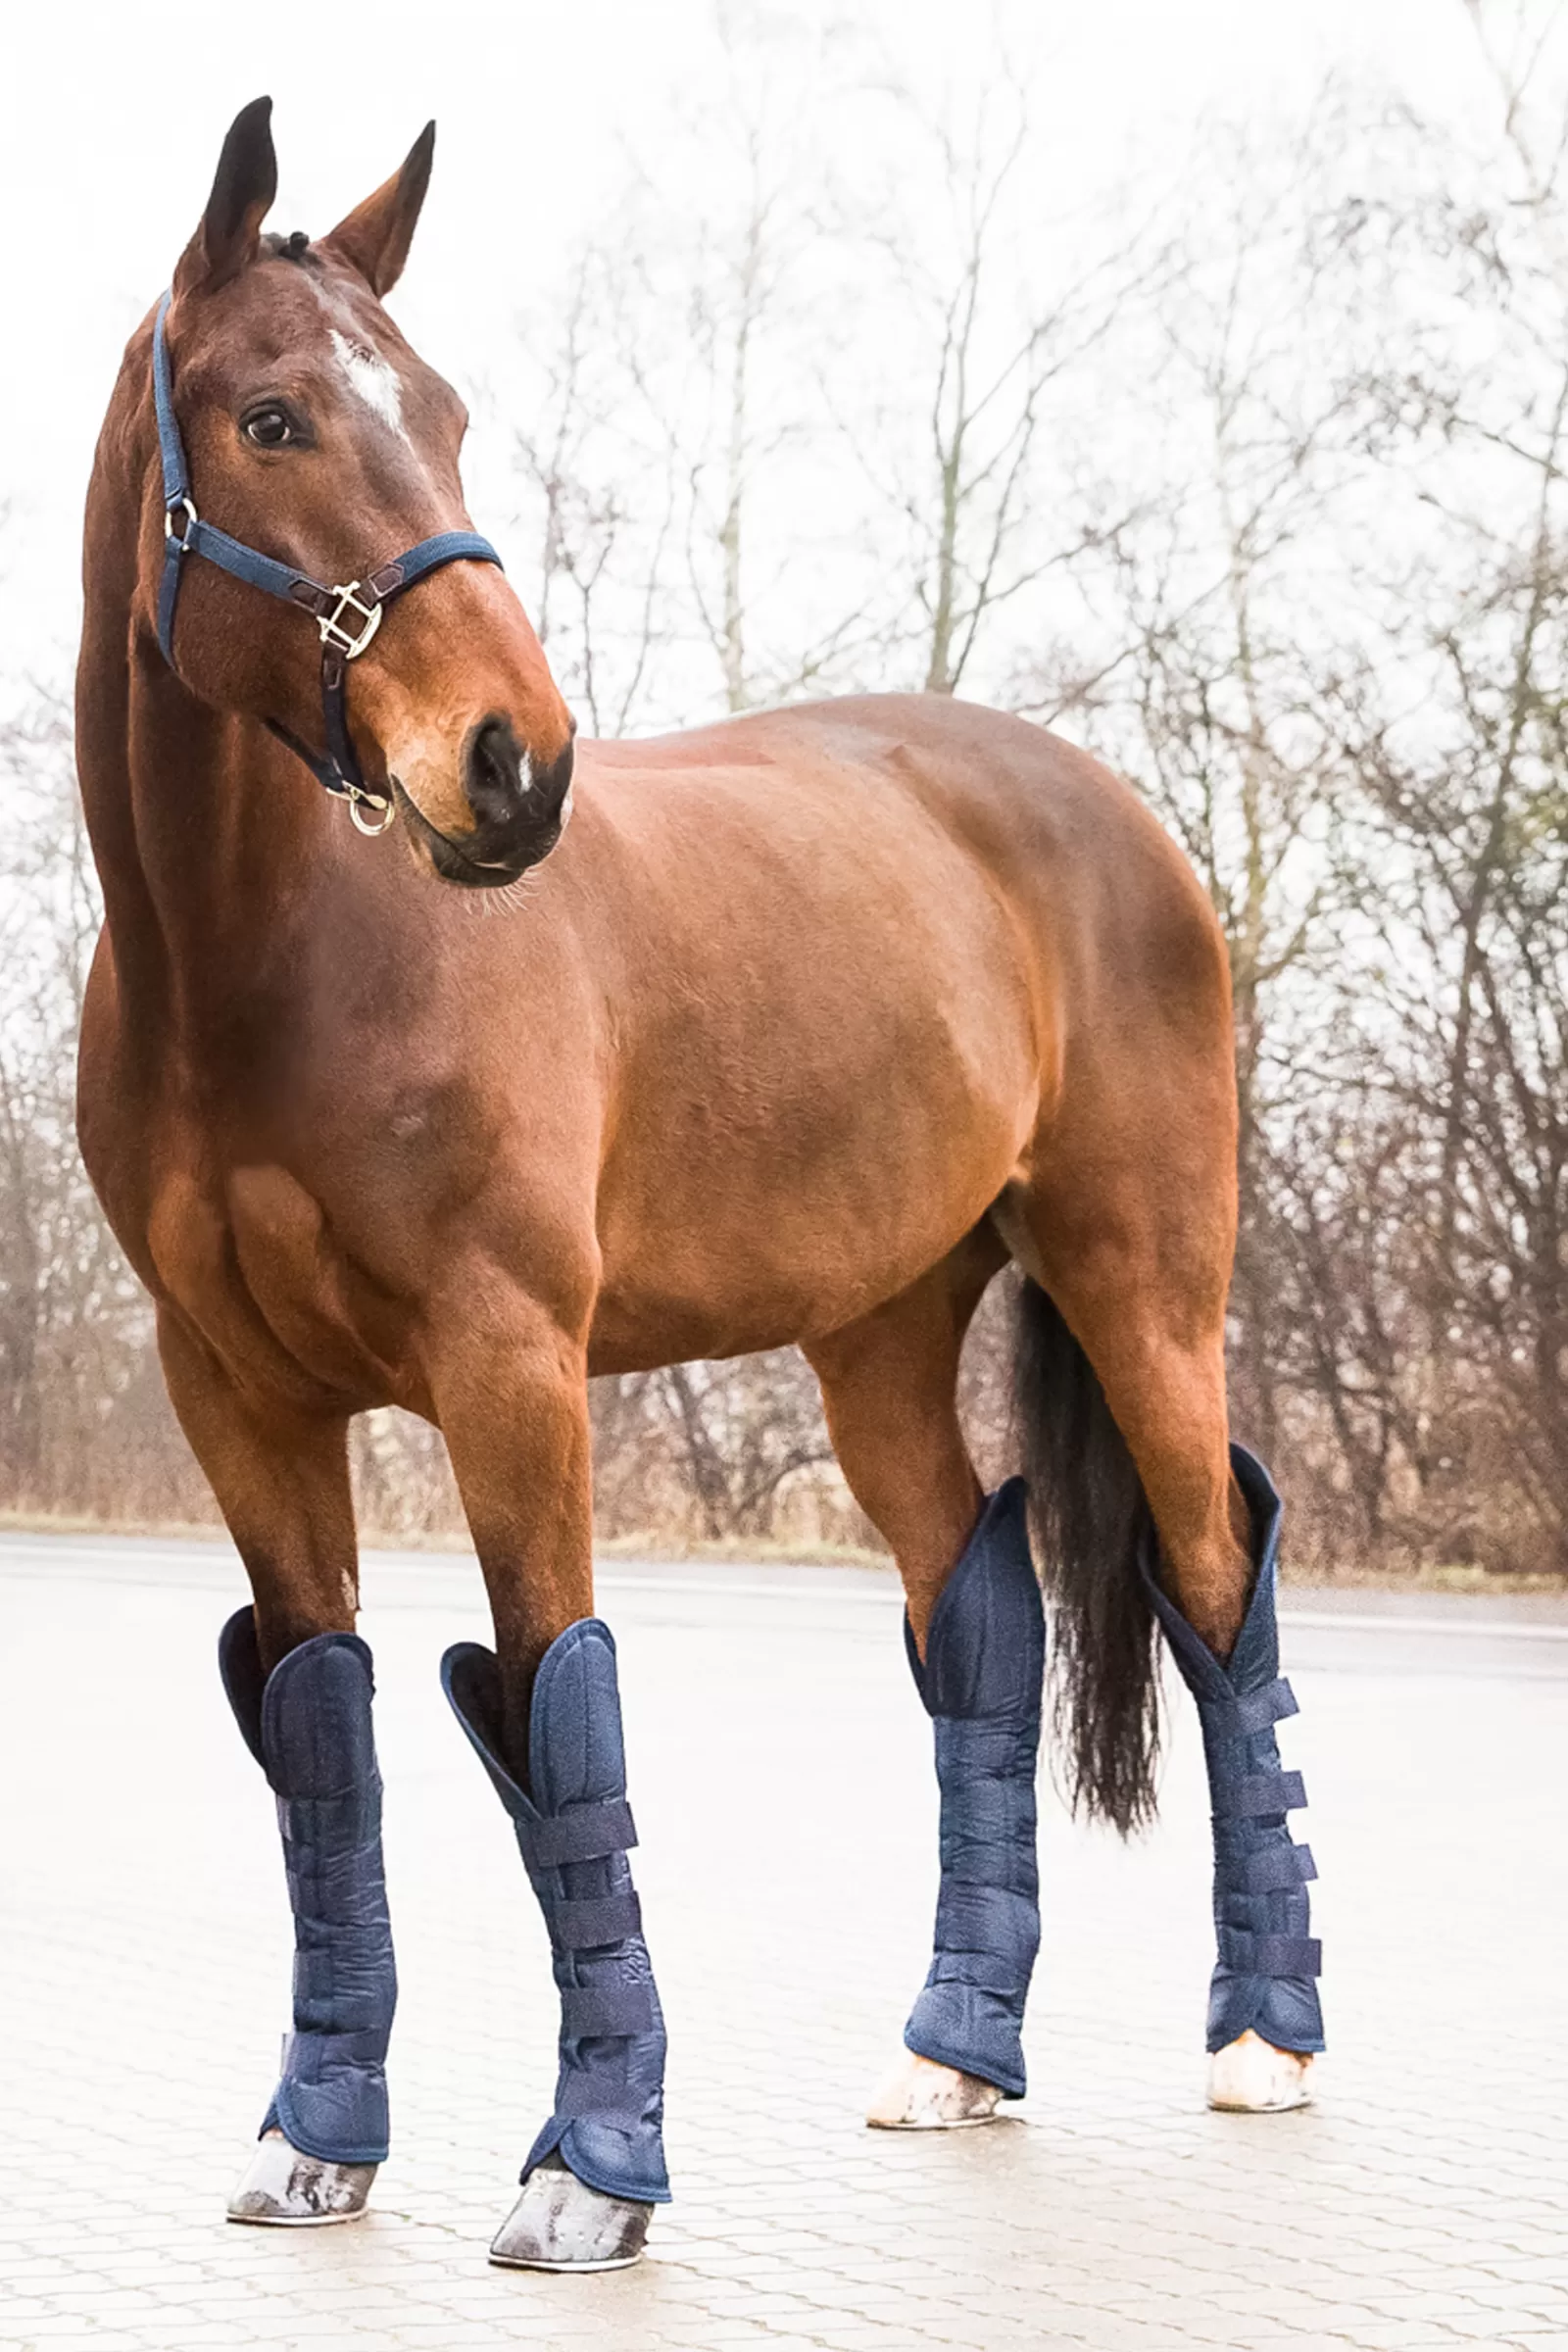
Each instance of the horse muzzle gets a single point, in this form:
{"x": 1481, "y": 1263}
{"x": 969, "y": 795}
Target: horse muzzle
{"x": 517, "y": 803}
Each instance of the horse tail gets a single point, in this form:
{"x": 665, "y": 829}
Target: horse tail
{"x": 1090, "y": 1518}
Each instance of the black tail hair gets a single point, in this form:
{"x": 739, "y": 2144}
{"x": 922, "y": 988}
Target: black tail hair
{"x": 1090, "y": 1517}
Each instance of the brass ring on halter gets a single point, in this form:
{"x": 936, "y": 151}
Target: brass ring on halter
{"x": 386, "y": 811}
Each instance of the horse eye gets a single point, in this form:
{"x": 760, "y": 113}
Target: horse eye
{"x": 269, "y": 428}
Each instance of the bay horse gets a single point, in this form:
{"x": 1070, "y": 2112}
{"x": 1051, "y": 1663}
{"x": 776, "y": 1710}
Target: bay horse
{"x": 814, "y": 1021}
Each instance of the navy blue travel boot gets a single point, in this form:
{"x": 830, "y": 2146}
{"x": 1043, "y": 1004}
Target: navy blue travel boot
{"x": 573, "y": 1831}
{"x": 308, "y": 1724}
{"x": 1264, "y": 1981}
{"x": 980, "y": 1682}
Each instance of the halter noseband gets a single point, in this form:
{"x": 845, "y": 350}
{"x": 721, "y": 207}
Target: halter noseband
{"x": 347, "y": 617}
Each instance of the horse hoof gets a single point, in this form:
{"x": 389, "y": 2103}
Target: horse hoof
{"x": 1251, "y": 2077}
{"x": 284, "y": 2189}
{"x": 920, "y": 2095}
{"x": 561, "y": 2223}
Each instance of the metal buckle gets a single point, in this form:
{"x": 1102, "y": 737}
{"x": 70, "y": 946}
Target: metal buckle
{"x": 331, "y": 626}
{"x": 179, "y": 537}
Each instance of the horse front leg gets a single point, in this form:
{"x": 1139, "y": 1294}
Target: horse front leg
{"x": 543, "y": 1713}
{"x": 300, "y": 1681}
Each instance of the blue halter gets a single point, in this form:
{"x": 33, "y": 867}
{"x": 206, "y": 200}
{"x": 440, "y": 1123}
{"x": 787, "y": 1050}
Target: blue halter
{"x": 347, "y": 617}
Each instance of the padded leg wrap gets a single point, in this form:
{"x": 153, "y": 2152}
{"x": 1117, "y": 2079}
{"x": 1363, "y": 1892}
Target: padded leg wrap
{"x": 573, "y": 1834}
{"x": 1265, "y": 1975}
{"x": 985, "y": 1657}
{"x": 308, "y": 1724}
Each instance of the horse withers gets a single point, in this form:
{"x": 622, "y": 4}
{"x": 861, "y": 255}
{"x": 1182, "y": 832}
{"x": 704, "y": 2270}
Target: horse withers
{"x": 811, "y": 1023}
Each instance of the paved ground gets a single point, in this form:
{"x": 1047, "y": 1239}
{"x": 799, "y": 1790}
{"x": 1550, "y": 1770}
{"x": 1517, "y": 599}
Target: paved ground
{"x": 782, "y": 1784}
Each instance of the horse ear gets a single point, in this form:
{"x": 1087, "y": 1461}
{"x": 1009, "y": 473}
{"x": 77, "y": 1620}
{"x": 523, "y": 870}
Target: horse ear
{"x": 376, "y": 237}
{"x": 241, "y": 198}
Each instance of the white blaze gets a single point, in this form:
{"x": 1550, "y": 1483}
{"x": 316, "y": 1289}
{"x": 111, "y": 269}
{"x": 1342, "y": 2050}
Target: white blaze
{"x": 369, "y": 374}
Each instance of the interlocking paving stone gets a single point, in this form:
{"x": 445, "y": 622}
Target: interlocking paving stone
{"x": 781, "y": 1777}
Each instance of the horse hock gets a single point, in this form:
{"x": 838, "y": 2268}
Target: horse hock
{"x": 308, "y": 1723}
{"x": 980, "y": 1681}
{"x": 597, "y": 2169}
{"x": 1264, "y": 2020}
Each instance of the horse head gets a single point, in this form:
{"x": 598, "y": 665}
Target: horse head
{"x": 318, "y": 444}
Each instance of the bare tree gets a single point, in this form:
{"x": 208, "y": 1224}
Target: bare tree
{"x": 1209, "y": 686}
{"x": 81, "y": 1423}
{"x": 1268, "y": 508}
{"x": 1473, "y": 795}
{"x": 605, "y": 515}
{"x": 995, "y": 335}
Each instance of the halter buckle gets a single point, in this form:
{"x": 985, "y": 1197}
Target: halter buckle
{"x": 169, "y": 512}
{"x": 350, "y": 642}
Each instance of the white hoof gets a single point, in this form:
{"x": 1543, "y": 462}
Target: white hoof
{"x": 920, "y": 2095}
{"x": 561, "y": 2223}
{"x": 1251, "y": 2077}
{"x": 287, "y": 2190}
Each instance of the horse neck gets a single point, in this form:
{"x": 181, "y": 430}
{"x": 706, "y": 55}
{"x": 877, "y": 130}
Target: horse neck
{"x": 208, "y": 839}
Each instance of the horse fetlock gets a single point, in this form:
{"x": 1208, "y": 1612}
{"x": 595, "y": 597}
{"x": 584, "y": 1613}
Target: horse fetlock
{"x": 308, "y": 1723}
{"x": 574, "y": 1828}
{"x": 1265, "y": 2019}
{"x": 980, "y": 1681}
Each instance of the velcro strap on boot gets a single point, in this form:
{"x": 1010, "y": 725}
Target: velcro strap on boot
{"x": 1257, "y": 1710}
{"x": 581, "y": 1833}
{"x": 590, "y": 2010}
{"x": 596, "y": 1919}
{"x": 1271, "y": 1955}
{"x": 309, "y": 2051}
{"x": 1260, "y": 1793}
{"x": 1277, "y": 1867}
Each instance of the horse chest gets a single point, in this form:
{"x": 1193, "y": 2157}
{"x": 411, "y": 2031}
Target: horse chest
{"x": 251, "y": 1259}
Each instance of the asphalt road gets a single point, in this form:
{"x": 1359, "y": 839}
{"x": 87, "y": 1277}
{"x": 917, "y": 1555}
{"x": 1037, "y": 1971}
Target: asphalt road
{"x": 782, "y": 1783}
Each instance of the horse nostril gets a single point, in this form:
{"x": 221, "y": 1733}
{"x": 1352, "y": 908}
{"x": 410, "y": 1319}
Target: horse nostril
{"x": 495, "y": 776}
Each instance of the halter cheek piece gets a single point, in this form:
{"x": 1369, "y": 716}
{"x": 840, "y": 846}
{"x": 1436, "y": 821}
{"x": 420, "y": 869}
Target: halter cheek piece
{"x": 347, "y": 617}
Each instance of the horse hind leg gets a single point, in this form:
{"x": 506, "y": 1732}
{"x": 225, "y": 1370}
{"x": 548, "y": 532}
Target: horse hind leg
{"x": 974, "y": 1639}
{"x": 1151, "y": 1515}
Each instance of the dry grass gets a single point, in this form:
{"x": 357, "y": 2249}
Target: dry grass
{"x": 748, "y": 1551}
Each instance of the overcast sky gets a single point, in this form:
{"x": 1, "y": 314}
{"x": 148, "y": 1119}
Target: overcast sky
{"x": 112, "y": 117}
